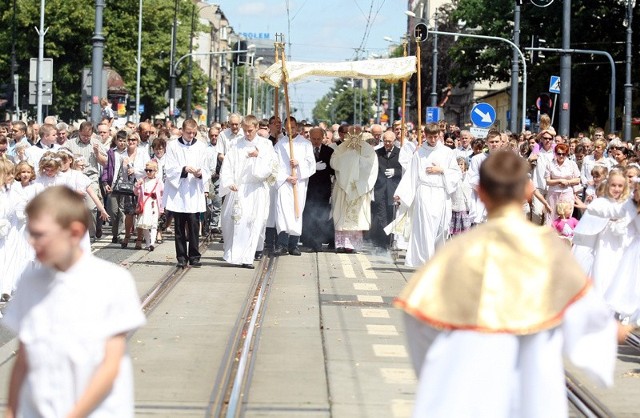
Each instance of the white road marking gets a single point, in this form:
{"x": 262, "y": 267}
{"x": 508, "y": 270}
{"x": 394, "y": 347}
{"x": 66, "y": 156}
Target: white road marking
{"x": 365, "y": 286}
{"x": 398, "y": 376}
{"x": 368, "y": 271}
{"x": 373, "y": 329}
{"x": 370, "y": 298}
{"x": 374, "y": 313}
{"x": 401, "y": 408}
{"x": 390, "y": 350}
{"x": 347, "y": 266}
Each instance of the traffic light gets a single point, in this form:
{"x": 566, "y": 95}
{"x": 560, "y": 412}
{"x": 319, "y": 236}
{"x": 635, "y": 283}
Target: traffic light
{"x": 6, "y": 96}
{"x": 545, "y": 104}
{"x": 537, "y": 42}
{"x": 240, "y": 58}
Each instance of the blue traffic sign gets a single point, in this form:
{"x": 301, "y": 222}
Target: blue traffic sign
{"x": 554, "y": 84}
{"x": 483, "y": 115}
{"x": 433, "y": 114}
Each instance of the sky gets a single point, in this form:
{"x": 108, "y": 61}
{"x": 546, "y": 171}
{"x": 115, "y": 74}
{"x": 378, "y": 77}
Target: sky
{"x": 320, "y": 31}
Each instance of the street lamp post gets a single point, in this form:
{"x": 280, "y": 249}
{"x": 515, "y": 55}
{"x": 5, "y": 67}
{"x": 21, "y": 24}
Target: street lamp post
{"x": 172, "y": 73}
{"x": 565, "y": 70}
{"x": 39, "y": 77}
{"x": 139, "y": 64}
{"x": 96, "y": 65}
{"x": 434, "y": 73}
{"x": 628, "y": 87}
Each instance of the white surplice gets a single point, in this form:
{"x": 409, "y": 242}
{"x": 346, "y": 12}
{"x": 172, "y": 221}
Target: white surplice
{"x": 477, "y": 211}
{"x": 286, "y": 220}
{"x": 429, "y": 198}
{"x": 244, "y": 212}
{"x": 356, "y": 170}
{"x": 185, "y": 194}
{"x": 503, "y": 375}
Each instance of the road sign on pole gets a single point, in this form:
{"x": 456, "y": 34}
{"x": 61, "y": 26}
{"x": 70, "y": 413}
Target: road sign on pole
{"x": 483, "y": 115}
{"x": 433, "y": 114}
{"x": 554, "y": 84}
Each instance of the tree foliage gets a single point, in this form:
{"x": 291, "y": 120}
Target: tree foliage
{"x": 595, "y": 24}
{"x": 68, "y": 42}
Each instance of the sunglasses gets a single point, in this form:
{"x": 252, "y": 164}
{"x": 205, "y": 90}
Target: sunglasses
{"x": 548, "y": 138}
{"x": 148, "y": 170}
{"x": 561, "y": 154}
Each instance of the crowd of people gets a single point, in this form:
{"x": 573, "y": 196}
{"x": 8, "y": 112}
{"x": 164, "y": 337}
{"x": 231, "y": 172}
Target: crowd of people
{"x": 332, "y": 187}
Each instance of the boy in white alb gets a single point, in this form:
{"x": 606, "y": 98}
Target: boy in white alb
{"x": 71, "y": 317}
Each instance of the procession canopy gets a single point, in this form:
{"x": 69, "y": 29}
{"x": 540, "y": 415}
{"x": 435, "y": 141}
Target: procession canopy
{"x": 389, "y": 69}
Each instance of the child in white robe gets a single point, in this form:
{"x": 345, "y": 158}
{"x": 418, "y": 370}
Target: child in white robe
{"x": 71, "y": 317}
{"x": 149, "y": 191}
{"x": 598, "y": 241}
{"x": 6, "y": 216}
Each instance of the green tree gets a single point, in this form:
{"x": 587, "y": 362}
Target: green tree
{"x": 68, "y": 42}
{"x": 595, "y": 24}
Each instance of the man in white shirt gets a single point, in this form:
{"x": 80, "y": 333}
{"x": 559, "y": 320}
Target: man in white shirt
{"x": 229, "y": 135}
{"x": 464, "y": 150}
{"x": 188, "y": 172}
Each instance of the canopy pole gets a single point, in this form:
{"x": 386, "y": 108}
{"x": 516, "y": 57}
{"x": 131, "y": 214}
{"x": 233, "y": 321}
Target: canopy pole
{"x": 403, "y": 119}
{"x": 419, "y": 93}
{"x": 276, "y": 90}
{"x": 285, "y": 80}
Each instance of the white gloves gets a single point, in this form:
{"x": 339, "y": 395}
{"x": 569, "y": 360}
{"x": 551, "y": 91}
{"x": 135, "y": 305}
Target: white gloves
{"x": 389, "y": 172}
{"x": 320, "y": 166}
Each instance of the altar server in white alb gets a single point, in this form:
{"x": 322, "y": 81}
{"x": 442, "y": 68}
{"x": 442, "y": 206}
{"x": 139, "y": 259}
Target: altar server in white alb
{"x": 431, "y": 179}
{"x": 187, "y": 171}
{"x": 288, "y": 222}
{"x": 492, "y": 316}
{"x": 243, "y": 180}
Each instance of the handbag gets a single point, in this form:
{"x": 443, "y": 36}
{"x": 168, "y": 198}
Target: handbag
{"x": 123, "y": 187}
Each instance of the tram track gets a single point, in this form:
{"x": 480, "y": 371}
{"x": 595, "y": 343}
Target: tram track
{"x": 582, "y": 401}
{"x": 236, "y": 367}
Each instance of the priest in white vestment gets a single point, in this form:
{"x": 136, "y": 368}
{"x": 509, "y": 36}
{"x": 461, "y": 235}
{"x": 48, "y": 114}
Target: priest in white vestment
{"x": 477, "y": 211}
{"x": 356, "y": 167}
{"x": 288, "y": 222}
{"x": 491, "y": 315}
{"x": 243, "y": 180}
{"x": 187, "y": 172}
{"x": 426, "y": 189}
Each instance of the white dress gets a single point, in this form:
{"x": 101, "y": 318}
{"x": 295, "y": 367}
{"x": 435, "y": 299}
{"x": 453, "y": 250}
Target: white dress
{"x": 151, "y": 196}
{"x": 6, "y": 233}
{"x": 607, "y": 238}
{"x": 22, "y": 254}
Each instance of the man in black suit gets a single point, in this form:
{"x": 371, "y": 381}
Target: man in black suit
{"x": 389, "y": 174}
{"x": 317, "y": 226}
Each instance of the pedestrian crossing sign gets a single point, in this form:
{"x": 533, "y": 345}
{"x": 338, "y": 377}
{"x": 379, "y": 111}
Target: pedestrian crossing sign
{"x": 554, "y": 84}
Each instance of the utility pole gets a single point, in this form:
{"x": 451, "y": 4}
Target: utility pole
{"x": 565, "y": 70}
{"x": 515, "y": 72}
{"x": 138, "y": 64}
{"x": 628, "y": 87}
{"x": 96, "y": 65}
{"x": 41, "y": 32}
{"x": 14, "y": 66}
{"x": 172, "y": 70}
{"x": 190, "y": 67}
{"x": 434, "y": 74}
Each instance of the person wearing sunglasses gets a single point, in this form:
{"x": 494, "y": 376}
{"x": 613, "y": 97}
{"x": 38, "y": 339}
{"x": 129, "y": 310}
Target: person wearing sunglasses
{"x": 561, "y": 176}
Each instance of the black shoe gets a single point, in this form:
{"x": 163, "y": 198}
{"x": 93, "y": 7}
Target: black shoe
{"x": 195, "y": 263}
{"x": 181, "y": 264}
{"x": 258, "y": 256}
{"x": 99, "y": 233}
{"x": 248, "y": 266}
{"x": 295, "y": 251}
{"x": 114, "y": 240}
{"x": 280, "y": 251}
